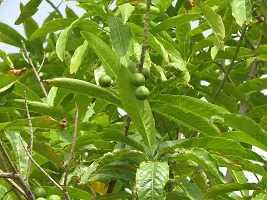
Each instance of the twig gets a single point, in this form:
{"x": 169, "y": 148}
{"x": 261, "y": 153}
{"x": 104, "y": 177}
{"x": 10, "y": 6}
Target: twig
{"x": 71, "y": 153}
{"x": 8, "y": 175}
{"x": 222, "y": 68}
{"x": 146, "y": 29}
{"x": 17, "y": 189}
{"x": 55, "y": 8}
{"x": 230, "y": 67}
{"x": 6, "y": 193}
{"x": 248, "y": 42}
{"x": 42, "y": 63}
{"x": 29, "y": 60}
{"x": 40, "y": 168}
{"x": 128, "y": 120}
{"x": 126, "y": 129}
{"x": 31, "y": 136}
{"x": 25, "y": 186}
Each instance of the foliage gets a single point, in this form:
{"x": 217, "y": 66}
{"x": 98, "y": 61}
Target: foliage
{"x": 205, "y": 66}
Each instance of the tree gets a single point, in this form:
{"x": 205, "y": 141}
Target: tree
{"x": 77, "y": 121}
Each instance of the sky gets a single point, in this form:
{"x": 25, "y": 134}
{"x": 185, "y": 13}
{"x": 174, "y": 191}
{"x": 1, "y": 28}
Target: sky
{"x": 9, "y": 12}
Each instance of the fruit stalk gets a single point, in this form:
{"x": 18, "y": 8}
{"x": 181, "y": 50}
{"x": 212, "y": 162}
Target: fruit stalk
{"x": 146, "y": 29}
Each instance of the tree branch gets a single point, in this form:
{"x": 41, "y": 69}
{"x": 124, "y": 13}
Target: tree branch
{"x": 55, "y": 8}
{"x": 25, "y": 186}
{"x": 222, "y": 68}
{"x": 128, "y": 120}
{"x": 40, "y": 168}
{"x": 218, "y": 92}
{"x": 31, "y": 136}
{"x": 29, "y": 60}
{"x": 146, "y": 29}
{"x": 71, "y": 153}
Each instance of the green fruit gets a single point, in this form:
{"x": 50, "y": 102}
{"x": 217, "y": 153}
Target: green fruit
{"x": 41, "y": 198}
{"x": 54, "y": 197}
{"x": 146, "y": 72}
{"x": 132, "y": 67}
{"x": 141, "y": 93}
{"x": 39, "y": 192}
{"x": 137, "y": 79}
{"x": 104, "y": 81}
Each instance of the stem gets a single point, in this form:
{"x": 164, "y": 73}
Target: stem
{"x": 71, "y": 153}
{"x": 25, "y": 186}
{"x": 29, "y": 60}
{"x": 146, "y": 29}
{"x": 222, "y": 68}
{"x": 126, "y": 128}
{"x": 112, "y": 183}
{"x": 55, "y": 8}
{"x": 31, "y": 137}
{"x": 40, "y": 168}
{"x": 218, "y": 92}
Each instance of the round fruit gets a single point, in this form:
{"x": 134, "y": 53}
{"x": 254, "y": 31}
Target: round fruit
{"x": 137, "y": 79}
{"x": 39, "y": 192}
{"x": 141, "y": 93}
{"x": 146, "y": 72}
{"x": 41, "y": 198}
{"x": 132, "y": 67}
{"x": 104, "y": 81}
{"x": 54, "y": 197}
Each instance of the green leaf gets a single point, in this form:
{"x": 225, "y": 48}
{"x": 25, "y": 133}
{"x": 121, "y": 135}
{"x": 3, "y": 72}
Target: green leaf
{"x": 11, "y": 76}
{"x": 118, "y": 155}
{"x": 139, "y": 111}
{"x": 255, "y": 85}
{"x": 73, "y": 192}
{"x": 242, "y": 163}
{"x": 188, "y": 119}
{"x": 242, "y": 11}
{"x": 104, "y": 52}
{"x": 117, "y": 195}
{"x": 192, "y": 190}
{"x": 126, "y": 11}
{"x": 240, "y": 177}
{"x": 37, "y": 122}
{"x": 18, "y": 150}
{"x": 10, "y": 36}
{"x": 260, "y": 197}
{"x": 151, "y": 178}
{"x": 257, "y": 111}
{"x": 121, "y": 38}
{"x": 63, "y": 38}
{"x": 52, "y": 26}
{"x": 175, "y": 21}
{"x": 243, "y": 137}
{"x": 211, "y": 143}
{"x": 28, "y": 10}
{"x": 215, "y": 22}
{"x": 253, "y": 131}
{"x": 152, "y": 41}
{"x": 19, "y": 90}
{"x": 116, "y": 135}
{"x": 230, "y": 187}
{"x": 182, "y": 38}
{"x": 162, "y": 4}
{"x": 78, "y": 57}
{"x": 202, "y": 157}
{"x": 85, "y": 88}
{"x": 37, "y": 107}
{"x": 6, "y": 59}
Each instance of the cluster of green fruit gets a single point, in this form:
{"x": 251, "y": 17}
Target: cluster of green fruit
{"x": 41, "y": 194}
{"x": 137, "y": 80}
